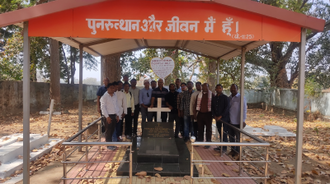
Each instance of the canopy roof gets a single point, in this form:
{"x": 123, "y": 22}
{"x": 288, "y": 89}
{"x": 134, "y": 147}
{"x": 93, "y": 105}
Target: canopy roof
{"x": 217, "y": 29}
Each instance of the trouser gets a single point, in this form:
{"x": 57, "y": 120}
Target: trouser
{"x": 195, "y": 125}
{"x": 103, "y": 123}
{"x": 145, "y": 116}
{"x": 128, "y": 122}
{"x": 118, "y": 131}
{"x": 188, "y": 128}
{"x": 136, "y": 117}
{"x": 174, "y": 117}
{"x": 110, "y": 128}
{"x": 225, "y": 132}
{"x": 234, "y": 136}
{"x": 181, "y": 125}
{"x": 204, "y": 119}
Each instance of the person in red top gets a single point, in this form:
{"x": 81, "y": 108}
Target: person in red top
{"x": 203, "y": 113}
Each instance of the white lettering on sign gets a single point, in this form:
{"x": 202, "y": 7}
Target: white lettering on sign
{"x": 209, "y": 24}
{"x": 175, "y": 25}
{"x": 226, "y": 25}
{"x": 152, "y": 24}
{"x": 226, "y": 28}
{"x": 162, "y": 67}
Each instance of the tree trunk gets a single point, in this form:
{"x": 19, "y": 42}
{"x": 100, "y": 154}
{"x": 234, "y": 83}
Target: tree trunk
{"x": 73, "y": 58}
{"x": 54, "y": 91}
{"x": 111, "y": 67}
{"x": 281, "y": 79}
{"x": 212, "y": 65}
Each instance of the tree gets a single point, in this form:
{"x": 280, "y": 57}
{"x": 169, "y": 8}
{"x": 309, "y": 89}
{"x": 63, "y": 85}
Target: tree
{"x": 280, "y": 59}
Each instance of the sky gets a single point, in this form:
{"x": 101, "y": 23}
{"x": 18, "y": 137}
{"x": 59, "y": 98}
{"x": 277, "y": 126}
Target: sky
{"x": 90, "y": 73}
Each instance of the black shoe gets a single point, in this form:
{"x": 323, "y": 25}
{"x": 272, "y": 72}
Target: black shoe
{"x": 206, "y": 147}
{"x": 217, "y": 149}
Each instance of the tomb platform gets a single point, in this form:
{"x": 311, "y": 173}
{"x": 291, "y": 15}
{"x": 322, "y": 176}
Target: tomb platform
{"x": 158, "y": 148}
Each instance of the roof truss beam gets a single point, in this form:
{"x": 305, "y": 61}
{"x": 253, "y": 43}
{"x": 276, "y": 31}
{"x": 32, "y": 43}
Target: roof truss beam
{"x": 98, "y": 42}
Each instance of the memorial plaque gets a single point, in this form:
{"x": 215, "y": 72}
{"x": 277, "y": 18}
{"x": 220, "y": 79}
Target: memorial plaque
{"x": 158, "y": 130}
{"x": 158, "y": 144}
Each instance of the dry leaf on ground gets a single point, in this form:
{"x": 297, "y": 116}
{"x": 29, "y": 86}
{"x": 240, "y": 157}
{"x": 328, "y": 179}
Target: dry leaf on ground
{"x": 178, "y": 179}
{"x": 228, "y": 163}
{"x": 19, "y": 139}
{"x": 142, "y": 173}
{"x": 186, "y": 177}
{"x": 315, "y": 172}
{"x": 215, "y": 181}
{"x": 225, "y": 175}
{"x": 158, "y": 168}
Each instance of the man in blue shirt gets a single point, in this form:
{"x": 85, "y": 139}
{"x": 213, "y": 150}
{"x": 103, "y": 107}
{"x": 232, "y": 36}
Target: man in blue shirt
{"x": 234, "y": 114}
{"x": 178, "y": 85}
{"x": 99, "y": 94}
{"x": 144, "y": 100}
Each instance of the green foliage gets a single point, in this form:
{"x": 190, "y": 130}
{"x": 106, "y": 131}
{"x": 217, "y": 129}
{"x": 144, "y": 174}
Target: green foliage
{"x": 280, "y": 59}
{"x": 312, "y": 88}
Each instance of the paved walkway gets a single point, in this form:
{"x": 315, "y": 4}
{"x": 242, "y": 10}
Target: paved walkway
{"x": 109, "y": 169}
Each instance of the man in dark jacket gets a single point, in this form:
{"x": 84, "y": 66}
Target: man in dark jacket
{"x": 220, "y": 112}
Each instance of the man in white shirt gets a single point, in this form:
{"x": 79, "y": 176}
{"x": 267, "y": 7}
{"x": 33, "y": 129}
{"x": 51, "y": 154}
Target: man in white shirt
{"x": 110, "y": 109}
{"x": 192, "y": 105}
{"x": 123, "y": 110}
{"x": 130, "y": 111}
{"x": 234, "y": 114}
{"x": 135, "y": 92}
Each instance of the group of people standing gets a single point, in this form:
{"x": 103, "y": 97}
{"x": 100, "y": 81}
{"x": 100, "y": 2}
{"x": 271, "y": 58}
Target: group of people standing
{"x": 192, "y": 110}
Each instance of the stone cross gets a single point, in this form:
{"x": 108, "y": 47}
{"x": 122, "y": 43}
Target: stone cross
{"x": 159, "y": 109}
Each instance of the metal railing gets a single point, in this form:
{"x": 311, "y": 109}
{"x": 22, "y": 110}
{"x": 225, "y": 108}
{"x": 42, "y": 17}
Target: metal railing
{"x": 258, "y": 143}
{"x": 69, "y": 142}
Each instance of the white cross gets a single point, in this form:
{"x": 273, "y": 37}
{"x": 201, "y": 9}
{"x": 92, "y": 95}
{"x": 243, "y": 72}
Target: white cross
{"x": 159, "y": 109}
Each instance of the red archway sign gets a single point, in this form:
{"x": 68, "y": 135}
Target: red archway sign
{"x": 163, "y": 20}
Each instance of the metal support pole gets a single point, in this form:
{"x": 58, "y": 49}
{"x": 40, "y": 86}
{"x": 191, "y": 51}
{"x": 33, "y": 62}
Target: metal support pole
{"x": 266, "y": 164}
{"x": 99, "y": 134}
{"x": 80, "y": 90}
{"x": 64, "y": 167}
{"x": 241, "y": 106}
{"x": 26, "y": 104}
{"x": 86, "y": 156}
{"x": 191, "y": 164}
{"x": 50, "y": 115}
{"x": 218, "y": 79}
{"x": 221, "y": 138}
{"x": 130, "y": 165}
{"x": 300, "y": 113}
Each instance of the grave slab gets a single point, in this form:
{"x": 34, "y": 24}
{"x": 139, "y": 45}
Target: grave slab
{"x": 40, "y": 144}
{"x": 158, "y": 144}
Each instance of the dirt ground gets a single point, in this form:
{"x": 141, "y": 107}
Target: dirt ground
{"x": 316, "y": 148}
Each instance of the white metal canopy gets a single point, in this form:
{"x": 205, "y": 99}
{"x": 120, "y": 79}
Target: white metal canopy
{"x": 212, "y": 49}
